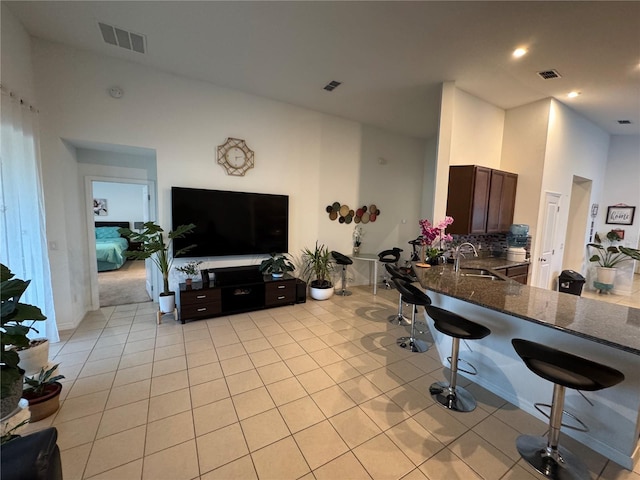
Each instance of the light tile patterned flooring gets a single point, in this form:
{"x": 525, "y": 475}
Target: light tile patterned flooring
{"x": 312, "y": 391}
{"x": 631, "y": 300}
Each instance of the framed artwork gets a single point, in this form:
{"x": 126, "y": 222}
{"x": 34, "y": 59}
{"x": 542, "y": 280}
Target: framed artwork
{"x": 100, "y": 207}
{"x": 620, "y": 215}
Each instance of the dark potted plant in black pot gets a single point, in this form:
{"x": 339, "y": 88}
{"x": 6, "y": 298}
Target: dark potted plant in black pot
{"x": 154, "y": 245}
{"x": 276, "y": 265}
{"x": 13, "y": 334}
{"x": 318, "y": 266}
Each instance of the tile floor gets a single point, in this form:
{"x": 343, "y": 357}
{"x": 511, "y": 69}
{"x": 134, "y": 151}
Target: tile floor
{"x": 312, "y": 391}
{"x": 631, "y": 300}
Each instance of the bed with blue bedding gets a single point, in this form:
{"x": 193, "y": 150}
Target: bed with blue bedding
{"x": 110, "y": 245}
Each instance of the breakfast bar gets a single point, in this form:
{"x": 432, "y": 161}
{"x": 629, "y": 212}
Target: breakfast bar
{"x": 602, "y": 332}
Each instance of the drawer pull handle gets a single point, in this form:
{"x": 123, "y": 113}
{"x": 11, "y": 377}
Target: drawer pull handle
{"x": 281, "y": 297}
{"x": 201, "y": 296}
{"x": 281, "y": 286}
{"x": 202, "y": 309}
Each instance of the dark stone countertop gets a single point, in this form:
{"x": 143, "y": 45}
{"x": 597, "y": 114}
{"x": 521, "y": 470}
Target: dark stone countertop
{"x": 606, "y": 323}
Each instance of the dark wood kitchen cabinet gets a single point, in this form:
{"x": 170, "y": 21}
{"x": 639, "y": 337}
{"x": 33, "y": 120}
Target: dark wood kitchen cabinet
{"x": 480, "y": 199}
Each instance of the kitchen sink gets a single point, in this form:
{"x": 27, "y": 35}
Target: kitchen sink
{"x": 479, "y": 273}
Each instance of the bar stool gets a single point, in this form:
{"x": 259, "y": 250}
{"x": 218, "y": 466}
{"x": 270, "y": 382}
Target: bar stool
{"x": 344, "y": 261}
{"x": 398, "y": 318}
{"x": 389, "y": 256}
{"x": 564, "y": 370}
{"x": 450, "y": 395}
{"x": 415, "y": 297}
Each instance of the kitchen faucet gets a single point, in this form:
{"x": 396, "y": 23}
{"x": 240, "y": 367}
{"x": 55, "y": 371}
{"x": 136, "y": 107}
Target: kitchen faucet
{"x": 458, "y": 254}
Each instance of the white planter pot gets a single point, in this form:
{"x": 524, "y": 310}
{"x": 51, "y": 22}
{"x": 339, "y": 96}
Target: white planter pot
{"x": 33, "y": 359}
{"x": 606, "y": 275}
{"x": 167, "y": 302}
{"x": 321, "y": 293}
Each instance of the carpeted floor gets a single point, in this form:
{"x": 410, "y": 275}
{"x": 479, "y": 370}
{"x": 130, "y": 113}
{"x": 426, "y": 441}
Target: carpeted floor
{"x": 123, "y": 286}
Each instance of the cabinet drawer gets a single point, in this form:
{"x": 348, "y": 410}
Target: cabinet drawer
{"x": 517, "y": 271}
{"x": 277, "y": 293}
{"x": 196, "y": 297}
{"x": 200, "y": 310}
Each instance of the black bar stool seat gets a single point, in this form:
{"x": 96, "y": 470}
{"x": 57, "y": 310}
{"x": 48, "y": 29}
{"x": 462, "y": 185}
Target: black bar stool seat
{"x": 344, "y": 261}
{"x": 564, "y": 370}
{"x": 389, "y": 256}
{"x": 416, "y": 297}
{"x": 395, "y": 272}
{"x": 449, "y": 394}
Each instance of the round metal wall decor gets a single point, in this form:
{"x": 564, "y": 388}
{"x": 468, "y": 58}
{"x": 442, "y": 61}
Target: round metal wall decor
{"x": 235, "y": 156}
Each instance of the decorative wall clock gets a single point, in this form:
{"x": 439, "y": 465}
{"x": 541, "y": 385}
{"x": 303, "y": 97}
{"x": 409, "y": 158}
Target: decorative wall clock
{"x": 235, "y": 156}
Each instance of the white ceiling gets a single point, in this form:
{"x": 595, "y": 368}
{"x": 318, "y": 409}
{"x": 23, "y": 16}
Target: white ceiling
{"x": 391, "y": 56}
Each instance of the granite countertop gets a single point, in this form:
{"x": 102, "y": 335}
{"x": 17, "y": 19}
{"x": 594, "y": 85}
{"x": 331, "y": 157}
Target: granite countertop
{"x": 494, "y": 263}
{"x": 610, "y": 324}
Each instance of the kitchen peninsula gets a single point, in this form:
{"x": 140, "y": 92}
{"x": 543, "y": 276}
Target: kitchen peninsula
{"x": 603, "y": 332}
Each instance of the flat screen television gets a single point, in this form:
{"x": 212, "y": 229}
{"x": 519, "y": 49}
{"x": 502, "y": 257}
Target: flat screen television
{"x": 230, "y": 223}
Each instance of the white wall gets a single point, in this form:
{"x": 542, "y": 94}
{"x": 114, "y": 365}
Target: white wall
{"x": 15, "y": 49}
{"x": 314, "y": 158}
{"x": 575, "y": 146}
{"x": 622, "y": 185}
{"x": 124, "y": 201}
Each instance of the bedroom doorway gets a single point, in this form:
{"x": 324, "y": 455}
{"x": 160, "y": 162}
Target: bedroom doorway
{"x": 119, "y": 202}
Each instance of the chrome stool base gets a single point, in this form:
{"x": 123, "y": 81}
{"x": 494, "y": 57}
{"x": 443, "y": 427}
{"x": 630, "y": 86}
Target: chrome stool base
{"x": 412, "y": 344}
{"x": 458, "y": 400}
{"x": 558, "y": 465}
{"x": 343, "y": 293}
{"x": 399, "y": 320}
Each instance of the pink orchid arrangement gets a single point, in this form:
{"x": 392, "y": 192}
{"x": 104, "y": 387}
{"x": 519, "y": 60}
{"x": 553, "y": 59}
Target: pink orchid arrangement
{"x": 433, "y": 236}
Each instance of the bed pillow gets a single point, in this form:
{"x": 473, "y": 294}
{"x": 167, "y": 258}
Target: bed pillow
{"x": 107, "y": 232}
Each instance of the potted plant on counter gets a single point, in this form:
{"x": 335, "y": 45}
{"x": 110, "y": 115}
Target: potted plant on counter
{"x": 317, "y": 265}
{"x": 155, "y": 245}
{"x": 42, "y": 391}
{"x": 191, "y": 270}
{"x": 13, "y": 335}
{"x": 276, "y": 265}
{"x": 608, "y": 257}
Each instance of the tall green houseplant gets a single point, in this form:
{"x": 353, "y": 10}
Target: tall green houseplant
{"x": 611, "y": 255}
{"x": 154, "y": 245}
{"x": 13, "y": 333}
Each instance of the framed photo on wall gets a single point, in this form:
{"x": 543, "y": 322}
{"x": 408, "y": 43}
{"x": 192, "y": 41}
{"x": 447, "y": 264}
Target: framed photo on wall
{"x": 100, "y": 207}
{"x": 620, "y": 215}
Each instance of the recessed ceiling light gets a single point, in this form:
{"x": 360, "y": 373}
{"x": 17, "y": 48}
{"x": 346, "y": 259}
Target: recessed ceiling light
{"x": 573, "y": 94}
{"x": 519, "y": 52}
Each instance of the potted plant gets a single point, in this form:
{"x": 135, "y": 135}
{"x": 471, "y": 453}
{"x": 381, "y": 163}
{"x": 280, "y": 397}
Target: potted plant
{"x": 433, "y": 240}
{"x": 13, "y": 334}
{"x": 42, "y": 391}
{"x": 190, "y": 269}
{"x": 154, "y": 245}
{"x": 608, "y": 257}
{"x": 358, "y": 233}
{"x": 317, "y": 265}
{"x": 277, "y": 265}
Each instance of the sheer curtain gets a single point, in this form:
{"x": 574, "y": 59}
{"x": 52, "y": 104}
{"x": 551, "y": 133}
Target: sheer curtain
{"x": 23, "y": 243}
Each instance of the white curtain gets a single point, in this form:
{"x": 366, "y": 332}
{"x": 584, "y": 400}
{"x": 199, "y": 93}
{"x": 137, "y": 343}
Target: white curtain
{"x": 23, "y": 243}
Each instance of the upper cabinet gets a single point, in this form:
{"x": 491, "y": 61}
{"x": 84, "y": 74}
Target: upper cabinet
{"x": 480, "y": 199}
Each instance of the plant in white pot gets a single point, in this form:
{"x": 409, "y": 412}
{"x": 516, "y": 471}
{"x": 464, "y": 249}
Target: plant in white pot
{"x": 608, "y": 257}
{"x": 317, "y": 265}
{"x": 277, "y": 265}
{"x": 155, "y": 245}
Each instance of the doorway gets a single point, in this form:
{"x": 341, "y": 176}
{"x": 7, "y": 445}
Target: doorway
{"x": 124, "y": 204}
{"x": 546, "y": 258}
{"x": 577, "y": 225}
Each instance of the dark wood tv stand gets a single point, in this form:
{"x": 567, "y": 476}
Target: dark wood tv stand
{"x": 234, "y": 290}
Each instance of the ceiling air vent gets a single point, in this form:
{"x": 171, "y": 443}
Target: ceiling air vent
{"x": 332, "y": 85}
{"x": 549, "y": 74}
{"x": 624, "y": 122}
{"x": 122, "y": 38}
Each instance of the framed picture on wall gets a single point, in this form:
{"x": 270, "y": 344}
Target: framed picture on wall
{"x": 100, "y": 207}
{"x": 620, "y": 215}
